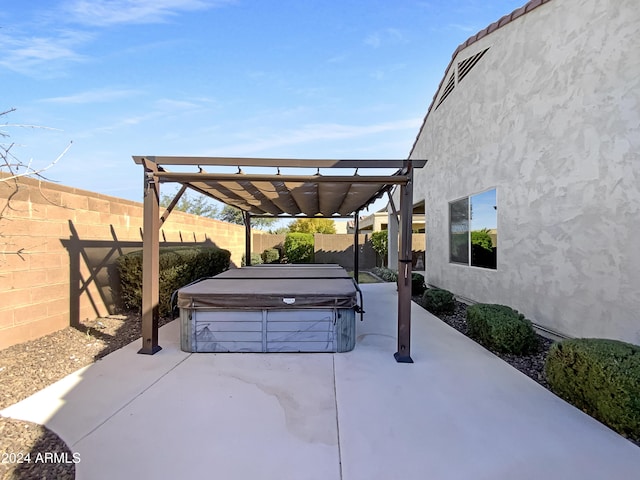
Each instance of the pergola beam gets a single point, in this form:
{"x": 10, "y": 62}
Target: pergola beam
{"x": 259, "y": 177}
{"x": 277, "y": 162}
{"x": 172, "y": 205}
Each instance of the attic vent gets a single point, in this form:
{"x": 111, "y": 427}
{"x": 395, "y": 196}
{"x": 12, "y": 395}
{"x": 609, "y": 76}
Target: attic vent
{"x": 447, "y": 89}
{"x": 461, "y": 70}
{"x": 467, "y": 64}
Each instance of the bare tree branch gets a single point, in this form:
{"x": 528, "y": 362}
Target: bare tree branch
{"x": 16, "y": 169}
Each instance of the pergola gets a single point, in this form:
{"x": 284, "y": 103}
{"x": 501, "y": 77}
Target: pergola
{"x": 278, "y": 194}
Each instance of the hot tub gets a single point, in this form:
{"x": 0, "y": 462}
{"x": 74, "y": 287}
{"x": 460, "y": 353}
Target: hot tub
{"x": 274, "y": 308}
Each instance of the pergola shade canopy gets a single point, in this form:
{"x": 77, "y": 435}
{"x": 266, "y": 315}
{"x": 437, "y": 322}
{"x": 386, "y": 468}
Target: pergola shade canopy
{"x": 279, "y": 194}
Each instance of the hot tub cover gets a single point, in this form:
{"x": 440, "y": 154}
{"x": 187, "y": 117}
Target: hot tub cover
{"x": 277, "y": 287}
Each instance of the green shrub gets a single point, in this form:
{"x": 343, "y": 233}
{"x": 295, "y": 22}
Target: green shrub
{"x": 437, "y": 300}
{"x": 417, "y": 284}
{"x": 179, "y": 266}
{"x": 482, "y": 238}
{"x": 601, "y": 377}
{"x": 298, "y": 247}
{"x": 385, "y": 274}
{"x": 501, "y": 328}
{"x": 256, "y": 259}
{"x": 270, "y": 255}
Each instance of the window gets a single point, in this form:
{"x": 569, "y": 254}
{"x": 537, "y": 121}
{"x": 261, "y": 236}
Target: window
{"x": 473, "y": 232}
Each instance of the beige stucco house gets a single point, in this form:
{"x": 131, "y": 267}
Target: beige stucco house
{"x": 533, "y": 138}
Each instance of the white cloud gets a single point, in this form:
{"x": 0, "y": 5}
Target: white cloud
{"x": 93, "y": 96}
{"x": 386, "y": 36}
{"x": 320, "y": 132}
{"x": 169, "y": 105}
{"x": 464, "y": 28}
{"x": 113, "y": 12}
{"x": 27, "y": 54}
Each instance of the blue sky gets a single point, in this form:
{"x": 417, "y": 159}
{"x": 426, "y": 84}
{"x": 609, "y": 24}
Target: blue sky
{"x": 304, "y": 79}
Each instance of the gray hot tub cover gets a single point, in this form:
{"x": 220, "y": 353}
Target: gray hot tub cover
{"x": 248, "y": 288}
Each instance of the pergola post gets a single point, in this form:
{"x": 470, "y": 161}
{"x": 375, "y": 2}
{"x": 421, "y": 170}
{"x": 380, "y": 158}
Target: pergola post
{"x": 150, "y": 261}
{"x": 403, "y": 355}
{"x": 356, "y": 245}
{"x": 247, "y": 238}
{"x": 392, "y": 233}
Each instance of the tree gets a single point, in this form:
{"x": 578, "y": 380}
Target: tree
{"x": 234, "y": 215}
{"x": 198, "y": 205}
{"x": 380, "y": 243}
{"x": 11, "y": 164}
{"x": 12, "y": 169}
{"x": 312, "y": 225}
{"x": 482, "y": 238}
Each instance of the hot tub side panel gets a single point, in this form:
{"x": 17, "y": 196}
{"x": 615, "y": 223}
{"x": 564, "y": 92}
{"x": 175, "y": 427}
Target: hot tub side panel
{"x": 293, "y": 330}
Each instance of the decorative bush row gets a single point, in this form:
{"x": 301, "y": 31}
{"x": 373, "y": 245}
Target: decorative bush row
{"x": 385, "y": 274}
{"x": 271, "y": 255}
{"x": 256, "y": 259}
{"x": 601, "y": 377}
{"x": 501, "y": 328}
{"x": 179, "y": 266}
{"x": 437, "y": 301}
{"x": 298, "y": 247}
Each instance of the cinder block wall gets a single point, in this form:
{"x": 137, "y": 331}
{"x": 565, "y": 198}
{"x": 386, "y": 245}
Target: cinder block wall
{"x": 57, "y": 247}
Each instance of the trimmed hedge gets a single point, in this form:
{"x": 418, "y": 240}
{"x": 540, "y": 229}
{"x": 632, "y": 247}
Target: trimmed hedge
{"x": 271, "y": 255}
{"x": 298, "y": 247}
{"x": 437, "y": 300}
{"x": 417, "y": 284}
{"x": 601, "y": 377}
{"x": 256, "y": 259}
{"x": 501, "y": 328}
{"x": 179, "y": 266}
{"x": 385, "y": 274}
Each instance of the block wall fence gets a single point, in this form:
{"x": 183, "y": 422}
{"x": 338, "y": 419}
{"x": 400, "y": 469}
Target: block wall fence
{"x": 58, "y": 245}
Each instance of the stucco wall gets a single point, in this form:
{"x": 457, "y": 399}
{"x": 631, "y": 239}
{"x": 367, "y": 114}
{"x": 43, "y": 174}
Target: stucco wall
{"x": 550, "y": 117}
{"x": 67, "y": 240}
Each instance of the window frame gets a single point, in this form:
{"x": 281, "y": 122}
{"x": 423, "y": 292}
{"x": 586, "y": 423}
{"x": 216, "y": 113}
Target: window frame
{"x": 469, "y": 220}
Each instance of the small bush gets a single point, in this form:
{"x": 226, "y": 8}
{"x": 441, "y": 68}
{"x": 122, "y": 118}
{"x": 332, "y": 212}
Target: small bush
{"x": 501, "y": 328}
{"x": 298, "y": 247}
{"x": 179, "y": 266}
{"x": 601, "y": 377}
{"x": 437, "y": 300}
{"x": 417, "y": 284}
{"x": 270, "y": 255}
{"x": 385, "y": 274}
{"x": 256, "y": 259}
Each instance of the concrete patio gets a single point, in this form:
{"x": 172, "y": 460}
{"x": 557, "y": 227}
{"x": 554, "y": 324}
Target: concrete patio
{"x": 458, "y": 412}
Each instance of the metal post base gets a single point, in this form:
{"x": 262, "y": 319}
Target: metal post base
{"x": 150, "y": 351}
{"x": 402, "y": 359}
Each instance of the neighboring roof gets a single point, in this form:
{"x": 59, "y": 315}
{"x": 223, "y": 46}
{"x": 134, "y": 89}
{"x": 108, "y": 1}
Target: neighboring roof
{"x": 280, "y": 193}
{"x": 473, "y": 39}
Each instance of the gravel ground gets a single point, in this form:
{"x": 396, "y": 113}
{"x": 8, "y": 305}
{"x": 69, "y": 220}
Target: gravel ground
{"x": 29, "y": 367}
